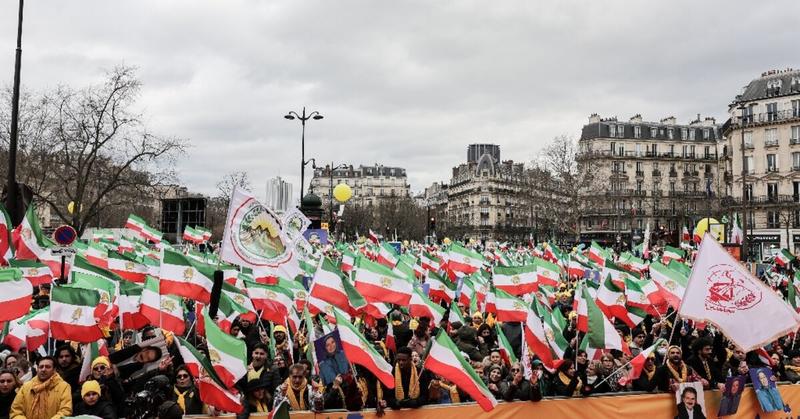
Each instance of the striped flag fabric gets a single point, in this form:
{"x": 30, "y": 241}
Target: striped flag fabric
{"x": 359, "y": 351}
{"x": 672, "y": 253}
{"x": 27, "y": 237}
{"x": 274, "y": 301}
{"x": 72, "y": 314}
{"x": 517, "y": 280}
{"x": 164, "y": 311}
{"x": 90, "y": 352}
{"x": 553, "y": 330}
{"x": 509, "y": 308}
{"x": 637, "y": 363}
{"x": 387, "y": 255}
{"x": 440, "y": 288}
{"x": 6, "y": 246}
{"x": 506, "y": 350}
{"x": 784, "y": 258}
{"x": 329, "y": 285}
{"x": 464, "y": 260}
{"x": 445, "y": 359}
{"x": 16, "y": 295}
{"x": 793, "y": 292}
{"x": 377, "y": 283}
{"x": 421, "y": 306}
{"x": 138, "y": 225}
{"x": 36, "y": 273}
{"x": 430, "y": 262}
{"x": 214, "y": 394}
{"x": 601, "y": 333}
{"x": 536, "y": 338}
{"x": 129, "y": 303}
{"x": 97, "y": 254}
{"x": 597, "y": 254}
{"x": 547, "y": 273}
{"x": 185, "y": 277}
{"x": 126, "y": 267}
{"x": 228, "y": 354}
{"x": 30, "y": 331}
{"x": 348, "y": 261}
{"x": 191, "y": 235}
{"x": 671, "y": 282}
{"x": 611, "y": 300}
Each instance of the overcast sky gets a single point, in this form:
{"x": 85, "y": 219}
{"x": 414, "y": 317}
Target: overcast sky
{"x": 400, "y": 83}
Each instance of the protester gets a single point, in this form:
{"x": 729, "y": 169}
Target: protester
{"x": 185, "y": 394}
{"x": 46, "y": 396}
{"x": 91, "y": 404}
{"x": 9, "y": 383}
{"x": 298, "y": 392}
{"x": 566, "y": 381}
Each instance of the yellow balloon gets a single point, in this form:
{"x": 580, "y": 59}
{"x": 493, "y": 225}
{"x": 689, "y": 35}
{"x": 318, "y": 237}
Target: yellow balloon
{"x": 71, "y": 207}
{"x": 342, "y": 192}
{"x": 712, "y": 226}
{"x": 446, "y": 240}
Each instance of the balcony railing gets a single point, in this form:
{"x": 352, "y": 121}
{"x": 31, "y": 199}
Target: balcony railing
{"x": 748, "y": 146}
{"x": 656, "y": 173}
{"x": 771, "y": 143}
{"x": 763, "y": 200}
{"x": 687, "y": 194}
{"x": 769, "y": 117}
{"x": 620, "y": 192}
{"x": 640, "y": 173}
{"x": 673, "y": 173}
{"x": 794, "y": 141}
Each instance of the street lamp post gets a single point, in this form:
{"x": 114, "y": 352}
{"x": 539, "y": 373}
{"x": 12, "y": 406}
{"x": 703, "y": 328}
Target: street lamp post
{"x": 12, "y": 194}
{"x": 303, "y": 118}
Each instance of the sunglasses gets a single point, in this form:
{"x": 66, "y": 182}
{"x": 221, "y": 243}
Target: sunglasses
{"x": 514, "y": 369}
{"x": 99, "y": 368}
{"x": 182, "y": 376}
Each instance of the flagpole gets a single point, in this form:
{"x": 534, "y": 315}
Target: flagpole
{"x": 615, "y": 371}
{"x": 671, "y": 334}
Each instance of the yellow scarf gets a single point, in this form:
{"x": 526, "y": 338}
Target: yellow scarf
{"x": 453, "y": 389}
{"x": 39, "y": 403}
{"x": 684, "y": 373}
{"x": 566, "y": 380}
{"x": 650, "y": 373}
{"x": 181, "y": 397}
{"x": 294, "y": 402}
{"x": 413, "y": 384}
{"x": 260, "y": 406}
{"x": 793, "y": 369}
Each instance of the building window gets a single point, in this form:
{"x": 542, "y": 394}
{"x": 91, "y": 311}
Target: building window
{"x": 691, "y": 134}
{"x": 774, "y": 87}
{"x": 772, "y": 191}
{"x": 748, "y": 192}
{"x": 772, "y": 163}
{"x": 773, "y": 219}
{"x": 613, "y": 147}
{"x": 653, "y": 132}
{"x": 771, "y": 137}
{"x": 796, "y": 108}
{"x": 639, "y": 167}
{"x": 796, "y": 161}
{"x": 638, "y": 150}
{"x": 706, "y": 133}
{"x": 707, "y": 152}
{"x": 691, "y": 151}
{"x": 748, "y": 139}
{"x": 637, "y": 131}
{"x": 795, "y": 134}
{"x": 670, "y": 133}
{"x": 685, "y": 151}
{"x": 684, "y": 133}
{"x": 612, "y": 131}
{"x": 772, "y": 111}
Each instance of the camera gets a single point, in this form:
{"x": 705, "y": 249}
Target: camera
{"x": 145, "y": 403}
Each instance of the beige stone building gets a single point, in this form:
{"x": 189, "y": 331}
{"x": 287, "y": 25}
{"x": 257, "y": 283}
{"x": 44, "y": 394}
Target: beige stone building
{"x": 370, "y": 184}
{"x": 763, "y": 138}
{"x": 662, "y": 173}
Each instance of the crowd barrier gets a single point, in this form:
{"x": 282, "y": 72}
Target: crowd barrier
{"x": 649, "y": 406}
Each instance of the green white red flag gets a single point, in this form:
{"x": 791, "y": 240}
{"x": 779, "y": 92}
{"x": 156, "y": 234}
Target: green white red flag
{"x": 536, "y": 338}
{"x": 228, "y": 354}
{"x": 36, "y": 273}
{"x": 517, "y": 280}
{"x": 191, "y": 235}
{"x": 784, "y": 258}
{"x": 6, "y": 246}
{"x": 509, "y": 308}
{"x": 506, "y": 350}
{"x": 129, "y": 303}
{"x": 126, "y": 267}
{"x": 377, "y": 283}
{"x": 671, "y": 282}
{"x": 361, "y": 352}
{"x": 72, "y": 314}
{"x": 461, "y": 259}
{"x": 445, "y": 359}
{"x": 440, "y": 288}
{"x": 185, "y": 277}
{"x": 637, "y": 363}
{"x": 421, "y": 306}
{"x": 672, "y": 253}
{"x": 213, "y": 394}
{"x": 601, "y": 333}
{"x": 387, "y": 255}
{"x": 547, "y": 273}
{"x": 16, "y": 295}
{"x": 164, "y": 311}
{"x": 274, "y": 301}
{"x": 140, "y": 226}
{"x": 30, "y": 331}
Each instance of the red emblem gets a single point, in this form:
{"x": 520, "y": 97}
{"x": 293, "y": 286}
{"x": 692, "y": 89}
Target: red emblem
{"x": 729, "y": 290}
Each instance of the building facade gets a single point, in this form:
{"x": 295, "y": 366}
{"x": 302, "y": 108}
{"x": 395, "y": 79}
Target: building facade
{"x": 370, "y": 184}
{"x": 279, "y": 194}
{"x": 762, "y": 161}
{"x": 662, "y": 173}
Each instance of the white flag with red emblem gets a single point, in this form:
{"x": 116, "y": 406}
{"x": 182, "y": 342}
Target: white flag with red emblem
{"x": 723, "y": 292}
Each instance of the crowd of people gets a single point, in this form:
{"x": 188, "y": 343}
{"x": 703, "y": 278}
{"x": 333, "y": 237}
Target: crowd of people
{"x": 62, "y": 382}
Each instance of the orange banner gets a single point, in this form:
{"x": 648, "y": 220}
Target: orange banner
{"x": 650, "y": 406}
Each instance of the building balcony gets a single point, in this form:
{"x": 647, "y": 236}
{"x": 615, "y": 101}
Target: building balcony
{"x": 794, "y": 141}
{"x": 656, "y": 173}
{"x": 772, "y": 169}
{"x": 728, "y": 177}
{"x": 621, "y": 192}
{"x": 771, "y": 143}
{"x": 763, "y": 201}
{"x": 796, "y": 168}
{"x": 673, "y": 173}
{"x": 687, "y": 194}
{"x": 708, "y": 175}
{"x": 640, "y": 173}
{"x": 747, "y": 146}
{"x": 639, "y": 193}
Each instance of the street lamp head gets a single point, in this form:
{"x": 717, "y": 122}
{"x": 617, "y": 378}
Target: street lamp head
{"x": 318, "y": 117}
{"x": 289, "y": 117}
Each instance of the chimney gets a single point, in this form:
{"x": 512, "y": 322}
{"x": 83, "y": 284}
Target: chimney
{"x": 670, "y": 120}
{"x": 709, "y": 122}
{"x": 636, "y": 119}
{"x": 594, "y": 118}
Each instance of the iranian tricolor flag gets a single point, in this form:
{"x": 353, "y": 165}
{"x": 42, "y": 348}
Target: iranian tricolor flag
{"x": 373, "y": 237}
{"x": 597, "y": 254}
{"x": 461, "y": 259}
{"x": 192, "y": 236}
{"x": 637, "y": 363}
{"x": 793, "y": 292}
{"x": 672, "y": 253}
{"x": 228, "y": 354}
{"x": 206, "y": 233}
{"x": 536, "y": 338}
{"x": 430, "y": 262}
{"x": 30, "y": 331}
{"x": 108, "y": 288}
{"x": 581, "y": 307}
{"x": 440, "y": 289}
{"x": 421, "y": 306}
{"x": 328, "y": 285}
{"x": 194, "y": 360}
{"x": 165, "y": 311}
{"x": 214, "y": 394}
{"x": 445, "y": 359}
{"x": 547, "y": 273}
{"x": 72, "y": 314}
{"x": 671, "y": 282}
{"x": 601, "y": 332}
{"x": 16, "y": 295}
{"x": 102, "y": 234}
{"x": 6, "y": 248}
{"x": 737, "y": 235}
{"x": 36, "y": 273}
{"x": 126, "y": 267}
{"x": 240, "y": 297}
{"x": 509, "y": 308}
{"x": 359, "y": 351}
{"x": 129, "y": 302}
{"x": 97, "y": 254}
{"x": 552, "y": 329}
{"x": 518, "y": 280}
{"x": 611, "y": 300}
{"x": 377, "y": 283}
{"x": 784, "y": 258}
{"x": 468, "y": 291}
{"x": 575, "y": 268}
{"x": 186, "y": 278}
{"x": 300, "y": 294}
{"x": 89, "y": 353}
{"x": 643, "y": 294}
{"x": 274, "y": 301}
{"x": 29, "y": 243}
{"x": 387, "y": 256}
{"x": 348, "y": 261}
{"x": 228, "y": 311}
{"x": 506, "y": 350}
{"x": 138, "y": 225}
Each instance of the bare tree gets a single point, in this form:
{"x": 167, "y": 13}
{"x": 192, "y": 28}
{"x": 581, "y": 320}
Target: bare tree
{"x": 230, "y": 181}
{"x": 90, "y": 147}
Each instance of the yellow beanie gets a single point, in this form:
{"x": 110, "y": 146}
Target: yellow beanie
{"x": 101, "y": 360}
{"x": 89, "y": 387}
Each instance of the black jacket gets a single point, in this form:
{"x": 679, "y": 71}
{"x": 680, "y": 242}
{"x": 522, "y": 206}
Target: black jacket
{"x": 523, "y": 391}
{"x": 5, "y": 403}
{"x": 101, "y": 409}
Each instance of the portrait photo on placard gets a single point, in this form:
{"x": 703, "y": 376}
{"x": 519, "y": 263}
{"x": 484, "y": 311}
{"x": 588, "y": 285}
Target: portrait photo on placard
{"x": 141, "y": 358}
{"x": 766, "y": 389}
{"x": 691, "y": 401}
{"x": 731, "y": 396}
{"x": 330, "y": 356}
